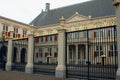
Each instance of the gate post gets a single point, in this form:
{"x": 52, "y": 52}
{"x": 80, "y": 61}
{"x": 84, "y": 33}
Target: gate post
{"x": 9, "y": 54}
{"x": 116, "y": 3}
{"x": 29, "y": 66}
{"x": 61, "y": 67}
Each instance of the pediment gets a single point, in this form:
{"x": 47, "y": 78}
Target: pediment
{"x": 76, "y": 17}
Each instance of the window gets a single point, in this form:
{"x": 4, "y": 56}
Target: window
{"x": 5, "y": 27}
{"x": 15, "y": 30}
{"x": 24, "y": 33}
{"x": 113, "y": 50}
{"x": 15, "y": 33}
{"x": 56, "y": 49}
{"x": 50, "y": 51}
{"x": 41, "y": 39}
{"x": 79, "y": 54}
{"x": 73, "y": 35}
{"x": 111, "y": 32}
{"x": 69, "y": 35}
{"x": 101, "y": 33}
{"x": 5, "y": 30}
{"x": 77, "y": 34}
{"x": 50, "y": 38}
{"x": 115, "y": 32}
{"x": 85, "y": 34}
{"x": 98, "y": 33}
{"x": 40, "y": 52}
{"x": 99, "y": 51}
{"x": 70, "y": 52}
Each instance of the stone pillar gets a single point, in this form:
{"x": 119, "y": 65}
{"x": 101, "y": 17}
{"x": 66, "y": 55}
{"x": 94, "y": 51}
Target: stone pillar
{"x": 29, "y": 66}
{"x": 68, "y": 54}
{"x": 116, "y": 3}
{"x": 9, "y": 55}
{"x": 76, "y": 61}
{"x": 61, "y": 67}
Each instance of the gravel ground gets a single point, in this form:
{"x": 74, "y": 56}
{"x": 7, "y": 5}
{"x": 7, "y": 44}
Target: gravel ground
{"x": 14, "y": 75}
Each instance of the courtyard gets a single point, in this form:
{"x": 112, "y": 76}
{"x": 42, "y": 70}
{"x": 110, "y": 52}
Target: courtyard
{"x": 15, "y": 75}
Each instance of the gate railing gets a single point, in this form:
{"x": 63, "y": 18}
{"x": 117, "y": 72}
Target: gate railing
{"x": 45, "y": 54}
{"x": 92, "y": 54}
{"x": 19, "y": 56}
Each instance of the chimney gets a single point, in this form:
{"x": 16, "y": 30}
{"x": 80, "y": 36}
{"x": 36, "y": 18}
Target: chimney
{"x": 47, "y": 7}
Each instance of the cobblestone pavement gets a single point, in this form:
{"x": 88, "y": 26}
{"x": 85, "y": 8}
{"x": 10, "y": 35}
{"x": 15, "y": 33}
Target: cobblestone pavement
{"x": 14, "y": 75}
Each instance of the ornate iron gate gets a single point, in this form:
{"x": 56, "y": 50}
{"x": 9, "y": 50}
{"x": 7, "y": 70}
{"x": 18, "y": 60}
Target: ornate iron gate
{"x": 92, "y": 54}
{"x": 45, "y": 54}
{"x": 19, "y": 55}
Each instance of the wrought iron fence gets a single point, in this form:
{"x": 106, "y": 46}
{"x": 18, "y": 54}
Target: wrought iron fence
{"x": 45, "y": 54}
{"x": 19, "y": 56}
{"x": 92, "y": 54}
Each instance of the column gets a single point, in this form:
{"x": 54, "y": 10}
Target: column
{"x": 9, "y": 55}
{"x": 61, "y": 67}
{"x": 68, "y": 54}
{"x": 116, "y": 3}
{"x": 29, "y": 66}
{"x": 76, "y": 60}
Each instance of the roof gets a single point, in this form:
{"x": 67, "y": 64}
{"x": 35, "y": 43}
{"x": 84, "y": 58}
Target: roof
{"x": 94, "y": 8}
{"x": 1, "y": 17}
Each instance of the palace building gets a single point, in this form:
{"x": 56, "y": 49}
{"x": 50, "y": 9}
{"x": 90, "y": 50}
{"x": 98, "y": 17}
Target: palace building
{"x": 90, "y": 27}
{"x": 81, "y": 16}
{"x": 75, "y": 41}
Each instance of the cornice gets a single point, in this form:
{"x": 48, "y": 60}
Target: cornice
{"x": 79, "y": 25}
{"x": 48, "y": 25}
{"x": 9, "y": 22}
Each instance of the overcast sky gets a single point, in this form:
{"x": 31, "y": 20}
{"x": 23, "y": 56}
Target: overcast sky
{"x": 26, "y": 10}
